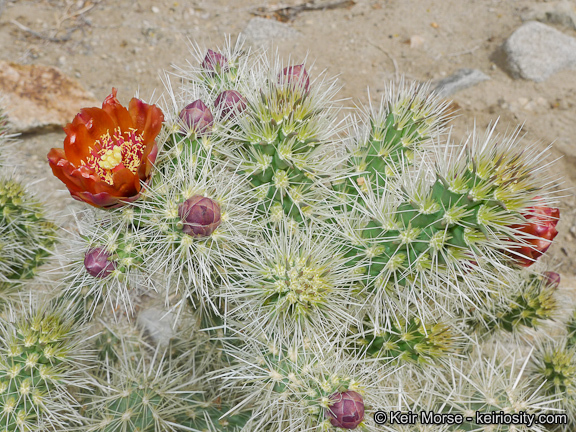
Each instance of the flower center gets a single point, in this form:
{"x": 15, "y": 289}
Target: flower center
{"x": 113, "y": 152}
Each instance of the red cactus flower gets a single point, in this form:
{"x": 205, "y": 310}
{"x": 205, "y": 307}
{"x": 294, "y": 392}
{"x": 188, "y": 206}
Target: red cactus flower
{"x": 108, "y": 151}
{"x": 347, "y": 410}
{"x": 541, "y": 227}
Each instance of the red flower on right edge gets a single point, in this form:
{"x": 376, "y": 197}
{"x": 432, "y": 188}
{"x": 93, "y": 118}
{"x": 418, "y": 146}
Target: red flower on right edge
{"x": 541, "y": 227}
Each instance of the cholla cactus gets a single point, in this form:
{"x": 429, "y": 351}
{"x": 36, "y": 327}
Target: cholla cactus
{"x": 433, "y": 233}
{"x": 101, "y": 266}
{"x": 554, "y": 365}
{"x": 530, "y": 302}
{"x": 218, "y": 70}
{"x": 286, "y": 135}
{"x": 143, "y": 393}
{"x": 27, "y": 235}
{"x": 317, "y": 268}
{"x": 195, "y": 228}
{"x": 41, "y": 362}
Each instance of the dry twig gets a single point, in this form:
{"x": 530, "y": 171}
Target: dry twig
{"x": 468, "y": 51}
{"x": 396, "y": 71}
{"x": 22, "y": 27}
{"x": 288, "y": 13}
{"x": 60, "y": 20}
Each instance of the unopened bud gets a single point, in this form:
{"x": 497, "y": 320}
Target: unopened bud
{"x": 347, "y": 410}
{"x": 295, "y": 76}
{"x": 97, "y": 264}
{"x": 552, "y": 279}
{"x": 200, "y": 216}
{"x": 197, "y": 117}
{"x": 230, "y": 102}
{"x": 215, "y": 62}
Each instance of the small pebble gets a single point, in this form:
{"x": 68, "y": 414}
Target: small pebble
{"x": 155, "y": 9}
{"x": 416, "y": 41}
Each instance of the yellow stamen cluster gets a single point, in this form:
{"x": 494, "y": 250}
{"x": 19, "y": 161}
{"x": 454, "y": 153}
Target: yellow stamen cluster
{"x": 111, "y": 159}
{"x": 111, "y": 151}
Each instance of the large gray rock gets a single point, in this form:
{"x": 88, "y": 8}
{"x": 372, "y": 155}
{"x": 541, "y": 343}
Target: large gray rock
{"x": 561, "y": 13}
{"x": 39, "y": 97}
{"x": 535, "y": 51}
{"x": 262, "y": 32}
{"x": 460, "y": 80}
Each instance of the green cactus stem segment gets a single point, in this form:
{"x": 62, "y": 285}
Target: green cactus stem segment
{"x": 406, "y": 120}
{"x": 410, "y": 341}
{"x": 557, "y": 365}
{"x": 437, "y": 229}
{"x": 27, "y": 236}
{"x": 291, "y": 375}
{"x": 35, "y": 361}
{"x": 219, "y": 72}
{"x": 140, "y": 394}
{"x": 281, "y": 132}
{"x": 534, "y": 304}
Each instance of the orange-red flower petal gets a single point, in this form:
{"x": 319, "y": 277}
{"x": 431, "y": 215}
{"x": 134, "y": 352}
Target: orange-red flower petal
{"x": 81, "y": 165}
{"x": 146, "y": 119}
{"x": 541, "y": 228}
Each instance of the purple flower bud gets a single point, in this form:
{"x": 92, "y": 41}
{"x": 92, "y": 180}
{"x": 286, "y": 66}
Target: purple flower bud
{"x": 197, "y": 117}
{"x": 552, "y": 279}
{"x": 230, "y": 101}
{"x": 200, "y": 215}
{"x": 295, "y": 76}
{"x": 97, "y": 264}
{"x": 215, "y": 62}
{"x": 347, "y": 410}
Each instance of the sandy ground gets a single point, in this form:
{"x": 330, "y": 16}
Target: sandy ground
{"x": 126, "y": 44}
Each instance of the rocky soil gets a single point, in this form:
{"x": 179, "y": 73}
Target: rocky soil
{"x": 126, "y": 44}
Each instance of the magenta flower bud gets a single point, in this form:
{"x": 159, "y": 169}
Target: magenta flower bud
{"x": 347, "y": 410}
{"x": 97, "y": 264}
{"x": 197, "y": 117}
{"x": 200, "y": 215}
{"x": 295, "y": 76}
{"x": 552, "y": 279}
{"x": 230, "y": 101}
{"x": 215, "y": 62}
